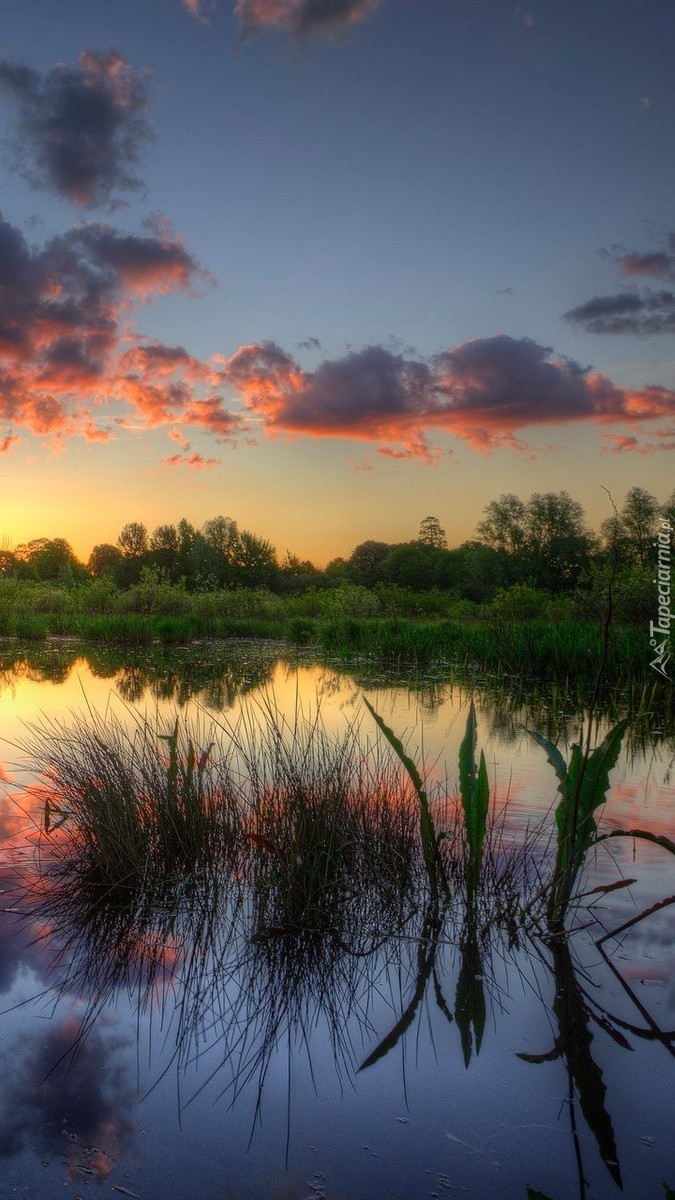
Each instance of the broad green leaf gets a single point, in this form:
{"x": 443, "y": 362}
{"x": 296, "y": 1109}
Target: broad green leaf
{"x": 553, "y": 755}
{"x": 467, "y": 759}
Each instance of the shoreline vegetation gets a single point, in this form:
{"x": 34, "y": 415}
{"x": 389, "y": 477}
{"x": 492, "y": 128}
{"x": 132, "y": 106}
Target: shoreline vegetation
{"x": 529, "y": 598}
{"x": 523, "y": 630}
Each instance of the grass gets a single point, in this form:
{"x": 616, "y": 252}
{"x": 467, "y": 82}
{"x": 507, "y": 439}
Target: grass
{"x": 326, "y": 831}
{"x": 132, "y": 808}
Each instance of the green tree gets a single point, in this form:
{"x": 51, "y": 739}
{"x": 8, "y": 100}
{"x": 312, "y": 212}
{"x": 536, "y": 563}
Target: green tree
{"x": 364, "y": 562}
{"x": 134, "y": 545}
{"x": 557, "y": 543}
{"x": 52, "y": 559}
{"x": 667, "y": 510}
{"x": 431, "y": 534}
{"x": 638, "y": 515}
{"x": 420, "y": 567}
{"x": 133, "y": 540}
{"x": 504, "y": 524}
{"x": 105, "y": 560}
{"x": 164, "y": 545}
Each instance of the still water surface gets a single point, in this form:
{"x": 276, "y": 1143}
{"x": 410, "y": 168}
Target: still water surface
{"x": 211, "y": 1067}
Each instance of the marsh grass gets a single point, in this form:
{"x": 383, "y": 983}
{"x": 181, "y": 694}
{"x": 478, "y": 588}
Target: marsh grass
{"x": 330, "y": 830}
{"x": 131, "y": 804}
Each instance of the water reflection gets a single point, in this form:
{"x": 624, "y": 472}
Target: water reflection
{"x": 242, "y": 981}
{"x": 233, "y": 994}
{"x": 68, "y": 1097}
{"x": 216, "y": 675}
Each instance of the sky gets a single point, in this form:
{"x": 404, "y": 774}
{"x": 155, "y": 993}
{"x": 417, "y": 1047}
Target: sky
{"x": 327, "y": 267}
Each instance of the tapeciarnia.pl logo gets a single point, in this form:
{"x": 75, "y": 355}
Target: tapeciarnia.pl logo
{"x": 659, "y": 630}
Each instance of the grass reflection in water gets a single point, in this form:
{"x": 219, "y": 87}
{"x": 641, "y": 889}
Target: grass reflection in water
{"x": 265, "y": 879}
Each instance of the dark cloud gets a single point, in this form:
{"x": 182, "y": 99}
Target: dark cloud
{"x": 301, "y": 18}
{"x": 483, "y": 392}
{"x": 639, "y": 313}
{"x": 80, "y": 129}
{"x": 643, "y": 312}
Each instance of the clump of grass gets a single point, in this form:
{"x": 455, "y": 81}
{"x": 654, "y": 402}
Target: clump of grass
{"x": 134, "y": 805}
{"x": 332, "y": 830}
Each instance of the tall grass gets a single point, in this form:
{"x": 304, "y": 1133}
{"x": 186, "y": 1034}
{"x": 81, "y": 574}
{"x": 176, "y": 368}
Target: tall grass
{"x": 136, "y": 808}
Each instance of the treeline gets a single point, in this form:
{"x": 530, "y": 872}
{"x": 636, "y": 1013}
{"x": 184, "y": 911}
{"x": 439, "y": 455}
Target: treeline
{"x": 539, "y": 544}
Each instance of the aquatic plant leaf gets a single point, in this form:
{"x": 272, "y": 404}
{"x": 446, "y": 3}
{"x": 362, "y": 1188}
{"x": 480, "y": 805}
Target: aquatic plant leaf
{"x": 668, "y": 1191}
{"x": 467, "y": 759}
{"x": 584, "y": 784}
{"x": 470, "y": 999}
{"x": 595, "y": 782}
{"x": 397, "y": 745}
{"x": 541, "y": 1058}
{"x": 644, "y": 834}
{"x": 430, "y": 848}
{"x": 553, "y": 755}
{"x": 480, "y": 804}
{"x": 475, "y": 794}
{"x": 535, "y": 1194}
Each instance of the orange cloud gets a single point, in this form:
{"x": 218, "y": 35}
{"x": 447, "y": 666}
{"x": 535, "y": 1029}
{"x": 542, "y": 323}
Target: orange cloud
{"x": 177, "y": 436}
{"x": 61, "y": 309}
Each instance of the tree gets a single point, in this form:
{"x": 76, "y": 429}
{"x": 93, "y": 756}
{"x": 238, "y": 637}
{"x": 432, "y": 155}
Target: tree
{"x": 51, "y": 559}
{"x": 133, "y": 540}
{"x": 638, "y": 516}
{"x": 431, "y": 534}
{"x": 133, "y": 543}
{"x": 557, "y": 543}
{"x": 257, "y": 563}
{"x": 105, "y": 560}
{"x": 667, "y": 510}
{"x": 364, "y": 561}
{"x": 164, "y": 550}
{"x": 420, "y": 567}
{"x": 503, "y": 526}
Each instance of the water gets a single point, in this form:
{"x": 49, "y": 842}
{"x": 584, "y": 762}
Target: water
{"x": 182, "y": 1057}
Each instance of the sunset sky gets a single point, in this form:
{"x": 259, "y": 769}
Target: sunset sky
{"x": 329, "y": 266}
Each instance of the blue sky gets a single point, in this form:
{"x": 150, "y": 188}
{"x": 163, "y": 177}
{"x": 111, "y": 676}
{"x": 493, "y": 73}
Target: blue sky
{"x": 396, "y": 210}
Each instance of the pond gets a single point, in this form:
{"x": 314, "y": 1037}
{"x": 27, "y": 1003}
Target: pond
{"x": 187, "y": 1041}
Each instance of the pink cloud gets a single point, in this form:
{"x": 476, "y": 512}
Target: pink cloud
{"x": 195, "y": 461}
{"x": 177, "y": 436}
